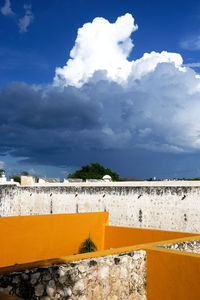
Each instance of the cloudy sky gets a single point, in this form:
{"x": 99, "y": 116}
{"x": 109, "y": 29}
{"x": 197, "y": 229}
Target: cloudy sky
{"x": 114, "y": 82}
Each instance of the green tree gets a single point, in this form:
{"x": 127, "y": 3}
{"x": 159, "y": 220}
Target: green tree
{"x": 24, "y": 173}
{"x": 2, "y": 171}
{"x": 87, "y": 246}
{"x": 17, "y": 178}
{"x": 94, "y": 171}
{"x": 149, "y": 179}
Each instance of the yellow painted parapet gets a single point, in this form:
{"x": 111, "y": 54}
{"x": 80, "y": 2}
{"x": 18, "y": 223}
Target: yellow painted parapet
{"x": 36, "y": 241}
{"x": 172, "y": 275}
{"x": 33, "y": 241}
{"x": 116, "y": 236}
{"x": 35, "y": 238}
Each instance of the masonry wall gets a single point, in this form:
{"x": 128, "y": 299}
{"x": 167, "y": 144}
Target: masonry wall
{"x": 161, "y": 206}
{"x": 121, "y": 276}
{"x": 9, "y": 200}
{"x": 188, "y": 246}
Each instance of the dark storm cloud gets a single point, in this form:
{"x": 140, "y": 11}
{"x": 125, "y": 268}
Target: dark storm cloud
{"x": 46, "y": 108}
{"x": 48, "y": 125}
{"x": 35, "y": 121}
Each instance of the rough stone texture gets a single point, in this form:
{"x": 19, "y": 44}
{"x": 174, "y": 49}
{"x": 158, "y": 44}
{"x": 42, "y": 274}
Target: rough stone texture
{"x": 159, "y": 205}
{"x": 189, "y": 246}
{"x": 9, "y": 200}
{"x": 114, "y": 277}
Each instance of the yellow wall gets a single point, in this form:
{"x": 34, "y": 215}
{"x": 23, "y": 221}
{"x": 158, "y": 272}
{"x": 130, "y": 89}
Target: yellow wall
{"x": 32, "y": 238}
{"x": 172, "y": 275}
{"x": 116, "y": 237}
{"x": 4, "y": 296}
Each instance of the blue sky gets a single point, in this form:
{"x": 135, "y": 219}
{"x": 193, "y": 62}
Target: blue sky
{"x": 116, "y": 99}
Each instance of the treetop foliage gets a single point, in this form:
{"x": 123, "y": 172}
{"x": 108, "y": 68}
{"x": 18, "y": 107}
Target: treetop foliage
{"x": 24, "y": 173}
{"x": 17, "y": 178}
{"x": 93, "y": 171}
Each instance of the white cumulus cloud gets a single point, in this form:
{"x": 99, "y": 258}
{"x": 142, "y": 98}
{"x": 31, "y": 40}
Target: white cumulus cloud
{"x": 99, "y": 45}
{"x": 26, "y": 20}
{"x": 148, "y": 62}
{"x": 6, "y": 10}
{"x": 152, "y": 102}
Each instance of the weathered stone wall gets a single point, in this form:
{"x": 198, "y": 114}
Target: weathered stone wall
{"x": 114, "y": 277}
{"x": 188, "y": 246}
{"x": 146, "y": 205}
{"x": 9, "y": 201}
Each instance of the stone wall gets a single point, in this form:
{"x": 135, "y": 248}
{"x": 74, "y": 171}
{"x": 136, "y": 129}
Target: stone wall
{"x": 9, "y": 200}
{"x": 114, "y": 277}
{"x": 188, "y": 246}
{"x": 166, "y": 206}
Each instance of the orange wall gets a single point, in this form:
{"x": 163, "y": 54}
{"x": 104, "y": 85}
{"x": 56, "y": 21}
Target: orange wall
{"x": 4, "y": 296}
{"x": 32, "y": 238}
{"x": 116, "y": 237}
{"x": 172, "y": 276}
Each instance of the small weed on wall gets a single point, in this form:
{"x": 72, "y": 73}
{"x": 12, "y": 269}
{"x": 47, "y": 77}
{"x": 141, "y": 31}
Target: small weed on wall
{"x": 87, "y": 246}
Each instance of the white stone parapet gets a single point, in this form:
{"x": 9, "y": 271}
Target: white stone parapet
{"x": 167, "y": 205}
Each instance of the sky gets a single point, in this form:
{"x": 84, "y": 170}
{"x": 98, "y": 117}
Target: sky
{"x": 113, "y": 82}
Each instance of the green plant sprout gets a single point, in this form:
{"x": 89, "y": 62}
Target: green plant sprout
{"x": 87, "y": 246}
